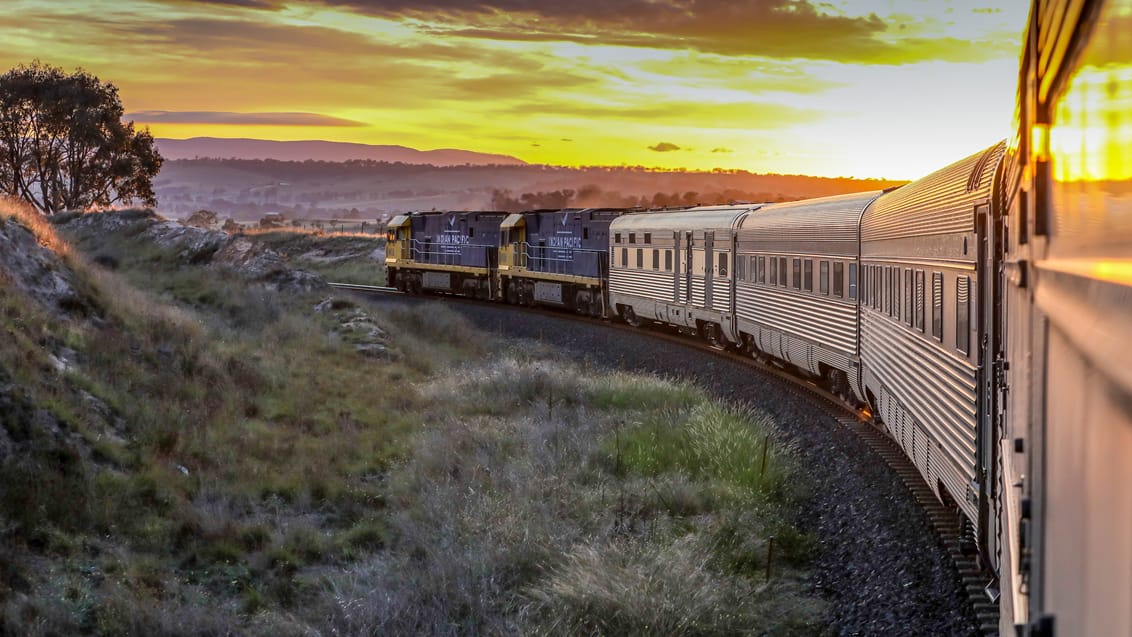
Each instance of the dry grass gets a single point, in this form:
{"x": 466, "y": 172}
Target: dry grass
{"x": 226, "y": 463}
{"x": 25, "y": 215}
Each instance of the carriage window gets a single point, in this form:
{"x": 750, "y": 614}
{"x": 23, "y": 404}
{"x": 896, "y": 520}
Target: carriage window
{"x": 648, "y": 237}
{"x": 823, "y": 277}
{"x": 796, "y": 282}
{"x": 838, "y": 279}
{"x": 782, "y": 271}
{"x": 890, "y": 283}
{"x": 656, "y": 259}
{"x": 937, "y": 306}
{"x": 853, "y": 281}
{"x": 667, "y": 260}
{"x": 624, "y": 257}
{"x": 897, "y": 299}
{"x": 774, "y": 270}
{"x": 740, "y": 268}
{"x": 632, "y": 237}
{"x": 908, "y": 297}
{"x": 962, "y": 315}
{"x": 640, "y": 258}
{"x": 722, "y": 264}
{"x": 761, "y": 269}
{"x": 919, "y": 308}
{"x": 617, "y": 237}
{"x": 808, "y": 275}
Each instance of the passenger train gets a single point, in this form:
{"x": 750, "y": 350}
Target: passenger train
{"x": 982, "y": 314}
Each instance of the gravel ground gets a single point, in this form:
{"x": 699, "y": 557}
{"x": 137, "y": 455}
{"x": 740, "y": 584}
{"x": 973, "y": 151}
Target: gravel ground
{"x": 879, "y": 563}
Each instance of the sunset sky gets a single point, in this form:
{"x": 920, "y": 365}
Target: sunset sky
{"x": 871, "y": 88}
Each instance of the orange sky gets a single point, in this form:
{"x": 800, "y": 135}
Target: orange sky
{"x": 875, "y": 88}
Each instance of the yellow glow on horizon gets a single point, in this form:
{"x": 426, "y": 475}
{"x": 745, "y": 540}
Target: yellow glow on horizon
{"x": 507, "y": 83}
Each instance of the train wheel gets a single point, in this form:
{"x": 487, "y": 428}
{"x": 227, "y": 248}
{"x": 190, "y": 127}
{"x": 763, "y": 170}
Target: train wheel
{"x": 630, "y": 316}
{"x": 714, "y": 336}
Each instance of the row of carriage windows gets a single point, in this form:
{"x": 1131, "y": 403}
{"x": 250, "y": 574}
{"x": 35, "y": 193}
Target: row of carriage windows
{"x": 639, "y": 258}
{"x": 798, "y": 273}
{"x": 901, "y": 293}
{"x": 632, "y": 237}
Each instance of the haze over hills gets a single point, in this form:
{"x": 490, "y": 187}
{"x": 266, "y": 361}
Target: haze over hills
{"x": 247, "y": 189}
{"x": 242, "y": 148}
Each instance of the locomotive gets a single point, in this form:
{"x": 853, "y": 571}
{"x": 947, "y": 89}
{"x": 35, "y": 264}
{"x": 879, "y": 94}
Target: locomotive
{"x": 982, "y": 314}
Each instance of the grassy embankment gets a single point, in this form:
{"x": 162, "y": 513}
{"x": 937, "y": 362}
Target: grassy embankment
{"x": 225, "y": 461}
{"x": 340, "y": 257}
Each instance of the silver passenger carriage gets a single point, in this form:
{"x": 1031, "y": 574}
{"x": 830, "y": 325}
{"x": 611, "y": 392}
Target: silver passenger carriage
{"x": 921, "y": 249}
{"x": 675, "y": 267}
{"x": 796, "y": 286}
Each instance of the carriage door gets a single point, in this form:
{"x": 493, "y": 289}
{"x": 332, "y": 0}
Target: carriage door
{"x": 990, "y": 370}
{"x": 676, "y": 269}
{"x": 709, "y": 265}
{"x": 688, "y": 268}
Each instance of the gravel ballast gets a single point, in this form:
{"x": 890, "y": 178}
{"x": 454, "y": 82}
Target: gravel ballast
{"x": 879, "y": 563}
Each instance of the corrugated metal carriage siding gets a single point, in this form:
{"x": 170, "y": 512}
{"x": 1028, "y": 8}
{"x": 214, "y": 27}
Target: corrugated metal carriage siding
{"x": 930, "y": 386}
{"x": 804, "y": 325}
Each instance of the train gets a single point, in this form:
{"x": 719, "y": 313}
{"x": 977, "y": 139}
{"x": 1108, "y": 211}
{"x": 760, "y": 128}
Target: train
{"x": 981, "y": 315}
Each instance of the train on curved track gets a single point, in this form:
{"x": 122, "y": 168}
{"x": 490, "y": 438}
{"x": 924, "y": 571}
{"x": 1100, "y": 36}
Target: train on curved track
{"x": 981, "y": 314}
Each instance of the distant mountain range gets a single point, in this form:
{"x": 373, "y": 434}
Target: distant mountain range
{"x": 236, "y": 148}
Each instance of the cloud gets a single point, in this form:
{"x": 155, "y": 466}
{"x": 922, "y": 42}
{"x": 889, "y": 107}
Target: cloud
{"x": 664, "y": 147}
{"x": 242, "y": 119}
{"x": 786, "y": 29}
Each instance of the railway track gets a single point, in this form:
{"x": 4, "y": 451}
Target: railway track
{"x": 944, "y": 522}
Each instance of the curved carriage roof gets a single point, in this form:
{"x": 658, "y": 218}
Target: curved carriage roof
{"x": 827, "y": 225}
{"x": 683, "y": 219}
{"x": 941, "y": 203}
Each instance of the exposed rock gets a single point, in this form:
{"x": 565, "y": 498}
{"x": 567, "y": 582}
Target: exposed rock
{"x": 252, "y": 260}
{"x": 194, "y": 245}
{"x": 35, "y": 270}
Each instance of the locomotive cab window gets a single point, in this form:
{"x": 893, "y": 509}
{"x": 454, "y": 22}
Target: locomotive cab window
{"x": 471, "y": 232}
{"x": 823, "y": 277}
{"x": 585, "y": 233}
